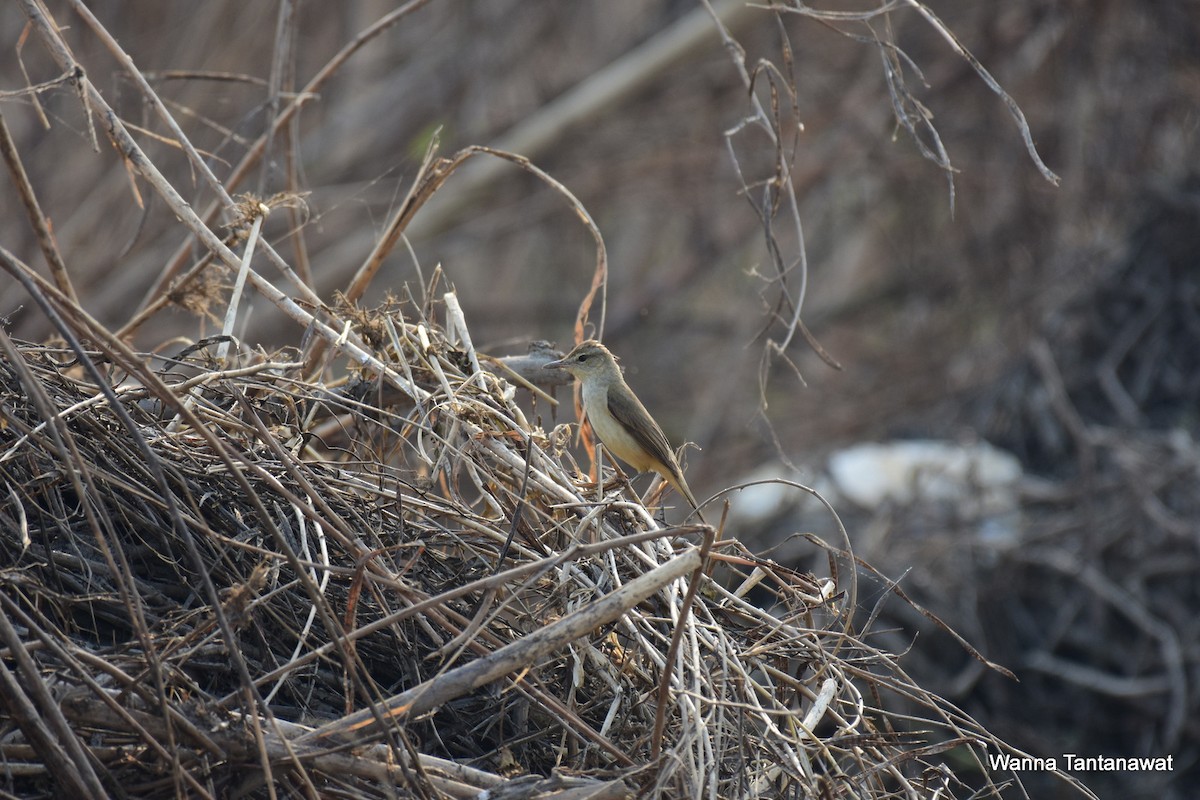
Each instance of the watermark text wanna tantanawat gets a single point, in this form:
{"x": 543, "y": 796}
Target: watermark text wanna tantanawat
{"x": 1073, "y": 762}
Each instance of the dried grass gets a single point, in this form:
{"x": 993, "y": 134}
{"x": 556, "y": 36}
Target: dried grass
{"x": 200, "y": 561}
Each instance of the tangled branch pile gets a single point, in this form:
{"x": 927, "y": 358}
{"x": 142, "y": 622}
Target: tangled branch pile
{"x": 207, "y": 571}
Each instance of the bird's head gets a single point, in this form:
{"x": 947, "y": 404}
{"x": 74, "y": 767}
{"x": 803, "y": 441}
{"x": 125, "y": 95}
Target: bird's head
{"x": 588, "y": 359}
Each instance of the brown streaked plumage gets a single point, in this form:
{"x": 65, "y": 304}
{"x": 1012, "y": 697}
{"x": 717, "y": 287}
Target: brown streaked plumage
{"x": 619, "y": 418}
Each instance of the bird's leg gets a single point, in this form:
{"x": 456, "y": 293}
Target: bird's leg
{"x": 619, "y": 478}
{"x": 654, "y": 496}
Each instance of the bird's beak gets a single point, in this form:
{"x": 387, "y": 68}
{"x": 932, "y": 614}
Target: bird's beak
{"x": 555, "y": 365}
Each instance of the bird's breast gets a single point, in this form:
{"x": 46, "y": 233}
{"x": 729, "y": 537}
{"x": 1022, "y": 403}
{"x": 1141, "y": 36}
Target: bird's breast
{"x": 613, "y": 433}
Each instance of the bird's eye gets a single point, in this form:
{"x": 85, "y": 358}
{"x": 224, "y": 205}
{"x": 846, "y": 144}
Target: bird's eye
{"x": 581, "y": 358}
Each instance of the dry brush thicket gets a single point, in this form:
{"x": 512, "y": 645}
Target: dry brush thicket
{"x": 363, "y": 563}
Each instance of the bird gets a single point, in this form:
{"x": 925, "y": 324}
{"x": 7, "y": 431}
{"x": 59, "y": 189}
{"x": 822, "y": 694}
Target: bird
{"x": 619, "y": 418}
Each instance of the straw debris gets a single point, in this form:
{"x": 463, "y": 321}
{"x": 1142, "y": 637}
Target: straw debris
{"x": 218, "y": 577}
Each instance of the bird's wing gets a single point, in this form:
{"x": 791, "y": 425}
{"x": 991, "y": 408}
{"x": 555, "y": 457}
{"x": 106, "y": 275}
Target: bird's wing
{"x": 627, "y": 408}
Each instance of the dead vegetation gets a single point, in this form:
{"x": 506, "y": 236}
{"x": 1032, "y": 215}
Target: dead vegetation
{"x": 217, "y": 578}
{"x": 362, "y": 564}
